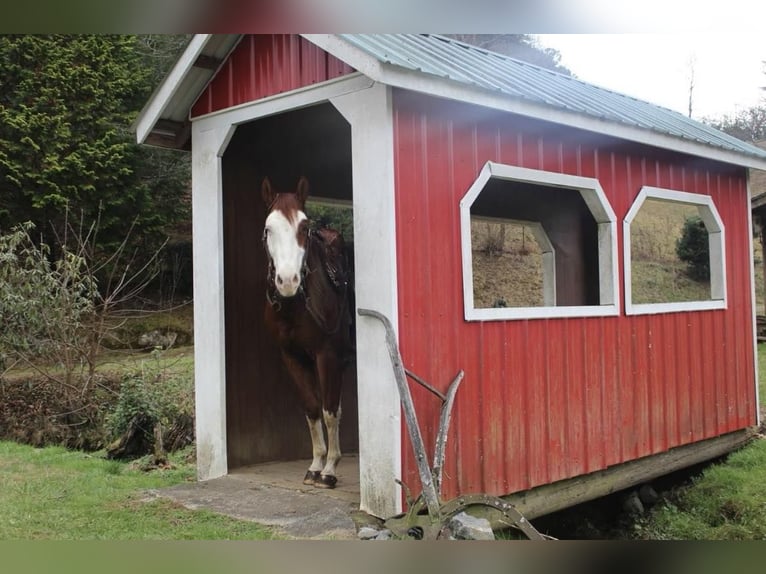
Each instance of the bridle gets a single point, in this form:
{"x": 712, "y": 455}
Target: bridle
{"x": 272, "y": 293}
{"x": 275, "y": 299}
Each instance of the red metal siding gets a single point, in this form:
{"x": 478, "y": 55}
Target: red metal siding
{"x": 545, "y": 400}
{"x": 264, "y": 65}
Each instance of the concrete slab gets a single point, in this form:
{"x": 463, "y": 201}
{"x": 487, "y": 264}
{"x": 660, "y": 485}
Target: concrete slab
{"x": 273, "y": 494}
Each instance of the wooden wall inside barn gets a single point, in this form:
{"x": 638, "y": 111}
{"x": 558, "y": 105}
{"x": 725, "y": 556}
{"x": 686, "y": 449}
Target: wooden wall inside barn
{"x": 548, "y": 399}
{"x": 264, "y": 418}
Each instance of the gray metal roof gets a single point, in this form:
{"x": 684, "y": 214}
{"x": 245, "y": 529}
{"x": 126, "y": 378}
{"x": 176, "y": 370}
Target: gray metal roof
{"x": 467, "y": 64}
{"x": 445, "y": 67}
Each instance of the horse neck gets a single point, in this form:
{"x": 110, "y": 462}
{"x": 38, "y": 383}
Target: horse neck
{"x": 318, "y": 284}
{"x": 324, "y": 301}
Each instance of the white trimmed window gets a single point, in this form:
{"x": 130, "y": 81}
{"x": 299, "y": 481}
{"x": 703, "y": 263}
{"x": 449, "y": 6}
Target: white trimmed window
{"x": 537, "y": 244}
{"x": 656, "y": 279}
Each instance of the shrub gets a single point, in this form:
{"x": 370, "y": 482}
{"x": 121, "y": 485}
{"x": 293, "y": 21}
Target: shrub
{"x": 44, "y": 303}
{"x": 693, "y": 249}
{"x": 151, "y": 400}
{"x": 54, "y": 318}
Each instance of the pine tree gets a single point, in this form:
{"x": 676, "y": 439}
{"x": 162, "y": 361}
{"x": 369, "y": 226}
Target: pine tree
{"x": 67, "y": 150}
{"x": 693, "y": 249}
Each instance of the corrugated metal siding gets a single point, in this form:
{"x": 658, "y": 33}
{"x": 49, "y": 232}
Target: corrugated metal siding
{"x": 466, "y": 64}
{"x": 263, "y": 65}
{"x": 545, "y": 400}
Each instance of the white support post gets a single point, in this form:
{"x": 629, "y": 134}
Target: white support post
{"x": 372, "y": 142}
{"x": 209, "y": 344}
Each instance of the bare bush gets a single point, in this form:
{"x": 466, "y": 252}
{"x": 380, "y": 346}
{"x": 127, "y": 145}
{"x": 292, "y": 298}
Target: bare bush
{"x": 57, "y": 309}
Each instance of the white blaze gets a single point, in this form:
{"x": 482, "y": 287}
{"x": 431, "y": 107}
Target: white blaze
{"x": 287, "y": 255}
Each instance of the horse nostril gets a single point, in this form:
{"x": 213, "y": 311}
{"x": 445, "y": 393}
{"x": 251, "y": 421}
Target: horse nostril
{"x": 295, "y": 279}
{"x": 279, "y": 280}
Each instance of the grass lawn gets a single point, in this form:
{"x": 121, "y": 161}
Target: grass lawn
{"x": 726, "y": 502}
{"x": 57, "y": 494}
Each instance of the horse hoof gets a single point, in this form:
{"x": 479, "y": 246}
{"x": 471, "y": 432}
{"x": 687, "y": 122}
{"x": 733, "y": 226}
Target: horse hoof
{"x": 326, "y": 481}
{"x": 312, "y": 476}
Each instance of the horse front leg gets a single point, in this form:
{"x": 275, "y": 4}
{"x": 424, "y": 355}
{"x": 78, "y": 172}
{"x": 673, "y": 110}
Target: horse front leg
{"x": 328, "y": 477}
{"x": 318, "y": 448}
{"x": 303, "y": 375}
{"x": 329, "y": 372}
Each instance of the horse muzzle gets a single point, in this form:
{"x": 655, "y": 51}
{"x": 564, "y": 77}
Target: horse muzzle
{"x": 287, "y": 284}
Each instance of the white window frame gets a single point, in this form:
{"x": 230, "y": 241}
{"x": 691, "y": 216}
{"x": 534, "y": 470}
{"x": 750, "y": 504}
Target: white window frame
{"x": 716, "y": 242}
{"x": 606, "y": 221}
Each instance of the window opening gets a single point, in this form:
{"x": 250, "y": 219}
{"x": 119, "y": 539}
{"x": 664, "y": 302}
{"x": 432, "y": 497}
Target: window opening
{"x": 537, "y": 244}
{"x": 673, "y": 253}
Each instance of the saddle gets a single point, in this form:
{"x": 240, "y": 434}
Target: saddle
{"x": 332, "y": 250}
{"x": 337, "y": 262}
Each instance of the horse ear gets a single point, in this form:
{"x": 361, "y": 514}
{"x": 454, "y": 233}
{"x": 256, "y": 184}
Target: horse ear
{"x": 267, "y": 193}
{"x": 302, "y": 191}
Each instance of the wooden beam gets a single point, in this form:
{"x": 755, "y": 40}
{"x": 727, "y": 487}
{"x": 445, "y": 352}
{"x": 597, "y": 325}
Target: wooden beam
{"x": 171, "y": 134}
{"x": 563, "y": 494}
{"x": 207, "y": 62}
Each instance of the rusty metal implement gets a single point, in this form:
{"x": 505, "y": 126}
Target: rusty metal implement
{"x": 427, "y": 516}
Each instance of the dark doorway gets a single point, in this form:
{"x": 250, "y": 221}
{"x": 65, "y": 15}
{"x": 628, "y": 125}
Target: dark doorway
{"x": 264, "y": 419}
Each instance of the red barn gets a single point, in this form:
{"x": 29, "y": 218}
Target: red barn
{"x": 586, "y": 389}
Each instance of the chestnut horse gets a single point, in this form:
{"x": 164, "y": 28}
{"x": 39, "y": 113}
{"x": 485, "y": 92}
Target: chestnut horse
{"x": 309, "y": 311}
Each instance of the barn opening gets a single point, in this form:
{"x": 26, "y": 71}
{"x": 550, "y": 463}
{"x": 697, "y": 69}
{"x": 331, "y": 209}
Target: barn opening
{"x": 674, "y": 252}
{"x": 536, "y": 241}
{"x": 264, "y": 417}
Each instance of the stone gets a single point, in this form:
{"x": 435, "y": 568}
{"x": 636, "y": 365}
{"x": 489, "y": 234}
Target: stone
{"x": 648, "y": 495}
{"x": 467, "y": 527}
{"x": 632, "y": 504}
{"x": 157, "y": 339}
{"x": 384, "y": 535}
{"x": 367, "y": 533}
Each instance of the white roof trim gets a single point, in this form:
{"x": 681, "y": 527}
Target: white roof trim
{"x": 355, "y": 57}
{"x": 445, "y": 88}
{"x": 163, "y": 96}
{"x": 450, "y": 89}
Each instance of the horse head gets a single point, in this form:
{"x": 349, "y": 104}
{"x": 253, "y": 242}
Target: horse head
{"x": 285, "y": 236}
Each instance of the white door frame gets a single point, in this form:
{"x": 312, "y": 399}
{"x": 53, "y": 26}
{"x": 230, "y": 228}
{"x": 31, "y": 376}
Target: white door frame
{"x": 367, "y": 107}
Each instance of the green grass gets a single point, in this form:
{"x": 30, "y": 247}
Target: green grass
{"x": 177, "y": 361}
{"x": 665, "y": 282}
{"x": 726, "y": 502}
{"x": 56, "y": 494}
{"x": 762, "y": 374}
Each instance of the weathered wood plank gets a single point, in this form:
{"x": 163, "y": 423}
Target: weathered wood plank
{"x": 563, "y": 494}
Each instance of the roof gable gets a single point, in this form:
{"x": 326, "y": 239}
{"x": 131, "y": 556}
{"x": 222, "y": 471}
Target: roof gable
{"x": 446, "y": 68}
{"x": 266, "y": 65}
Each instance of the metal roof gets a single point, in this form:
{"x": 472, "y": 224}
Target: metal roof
{"x": 459, "y": 62}
{"x": 444, "y": 67}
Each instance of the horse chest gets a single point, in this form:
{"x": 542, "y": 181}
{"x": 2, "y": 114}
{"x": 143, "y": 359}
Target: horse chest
{"x": 295, "y": 328}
